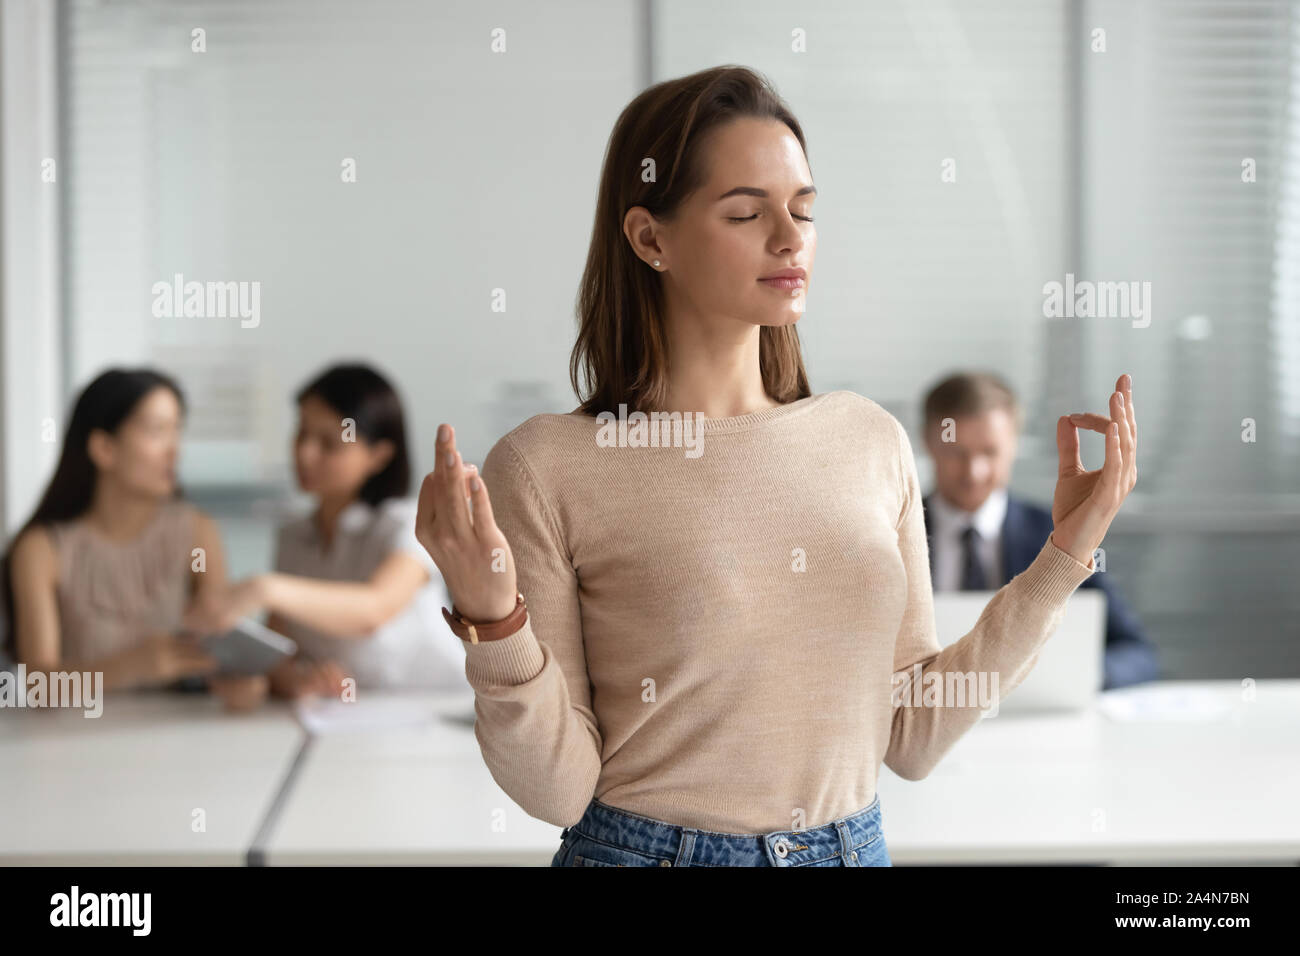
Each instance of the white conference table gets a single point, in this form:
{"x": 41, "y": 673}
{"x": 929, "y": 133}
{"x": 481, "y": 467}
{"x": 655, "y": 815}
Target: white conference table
{"x": 1078, "y": 788}
{"x": 413, "y": 794}
{"x": 1084, "y": 788}
{"x": 412, "y": 788}
{"x": 123, "y": 788}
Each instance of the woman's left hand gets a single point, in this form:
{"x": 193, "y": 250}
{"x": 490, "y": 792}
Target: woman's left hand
{"x": 240, "y": 694}
{"x": 1086, "y": 502}
{"x": 218, "y": 611}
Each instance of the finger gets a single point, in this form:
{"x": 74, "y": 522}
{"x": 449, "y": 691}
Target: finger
{"x": 426, "y": 511}
{"x": 1130, "y": 413}
{"x": 449, "y": 497}
{"x": 1114, "y": 465}
{"x": 1120, "y": 412}
{"x": 471, "y": 472}
{"x": 335, "y": 676}
{"x": 1125, "y": 386}
{"x": 329, "y": 677}
{"x": 315, "y": 686}
{"x": 196, "y": 662}
{"x": 1091, "y": 421}
{"x": 188, "y": 650}
{"x": 484, "y": 523}
{"x": 1067, "y": 445}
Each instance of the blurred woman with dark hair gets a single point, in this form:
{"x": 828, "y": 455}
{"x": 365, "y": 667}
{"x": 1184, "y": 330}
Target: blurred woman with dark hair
{"x": 352, "y": 585}
{"x": 99, "y": 577}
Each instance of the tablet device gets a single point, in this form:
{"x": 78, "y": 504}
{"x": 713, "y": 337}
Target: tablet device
{"x": 248, "y": 648}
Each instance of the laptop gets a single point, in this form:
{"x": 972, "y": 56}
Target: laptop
{"x": 1068, "y": 674}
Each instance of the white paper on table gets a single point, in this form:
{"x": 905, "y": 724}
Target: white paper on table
{"x": 1153, "y": 704}
{"x": 328, "y": 716}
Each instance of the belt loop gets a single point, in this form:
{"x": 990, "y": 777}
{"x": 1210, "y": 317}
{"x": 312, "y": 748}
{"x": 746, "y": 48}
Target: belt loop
{"x": 687, "y": 849}
{"x": 846, "y": 842}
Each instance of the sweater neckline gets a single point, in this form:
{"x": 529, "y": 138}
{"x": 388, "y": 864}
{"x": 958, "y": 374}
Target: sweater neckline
{"x": 737, "y": 423}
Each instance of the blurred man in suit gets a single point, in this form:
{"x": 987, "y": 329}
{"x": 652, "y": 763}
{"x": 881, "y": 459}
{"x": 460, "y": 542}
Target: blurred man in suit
{"x": 980, "y": 537}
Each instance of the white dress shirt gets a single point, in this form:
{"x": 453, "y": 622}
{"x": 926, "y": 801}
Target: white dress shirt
{"x": 948, "y": 523}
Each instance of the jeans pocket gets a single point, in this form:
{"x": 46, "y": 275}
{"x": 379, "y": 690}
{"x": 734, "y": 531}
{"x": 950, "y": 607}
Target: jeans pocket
{"x": 587, "y": 852}
{"x": 873, "y": 853}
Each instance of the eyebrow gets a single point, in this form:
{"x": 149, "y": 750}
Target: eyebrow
{"x": 761, "y": 193}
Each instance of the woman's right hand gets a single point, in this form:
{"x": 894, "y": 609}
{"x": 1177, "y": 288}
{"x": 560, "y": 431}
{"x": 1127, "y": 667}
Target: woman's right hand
{"x": 1086, "y": 502}
{"x": 299, "y": 677}
{"x": 217, "y": 610}
{"x": 468, "y": 548}
{"x": 163, "y": 658}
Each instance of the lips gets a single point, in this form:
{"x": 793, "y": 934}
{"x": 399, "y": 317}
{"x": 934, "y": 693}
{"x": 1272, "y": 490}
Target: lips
{"x": 792, "y": 277}
{"x": 784, "y": 282}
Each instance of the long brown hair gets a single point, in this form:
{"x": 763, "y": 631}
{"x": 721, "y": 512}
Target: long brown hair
{"x": 103, "y": 405}
{"x": 622, "y": 345}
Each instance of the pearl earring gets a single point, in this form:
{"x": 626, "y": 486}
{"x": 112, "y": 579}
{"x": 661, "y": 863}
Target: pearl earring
{"x": 656, "y": 263}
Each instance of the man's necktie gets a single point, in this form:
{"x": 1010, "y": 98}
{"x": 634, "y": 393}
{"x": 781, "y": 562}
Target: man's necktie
{"x": 973, "y": 577}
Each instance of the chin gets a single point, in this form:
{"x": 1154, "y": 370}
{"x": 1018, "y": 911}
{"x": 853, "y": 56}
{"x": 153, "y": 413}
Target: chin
{"x": 782, "y": 319}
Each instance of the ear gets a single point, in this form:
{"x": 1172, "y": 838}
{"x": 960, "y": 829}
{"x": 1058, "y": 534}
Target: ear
{"x": 642, "y": 231}
{"x": 100, "y": 449}
{"x": 381, "y": 453}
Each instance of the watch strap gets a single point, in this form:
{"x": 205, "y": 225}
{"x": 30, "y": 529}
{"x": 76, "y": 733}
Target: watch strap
{"x": 475, "y": 631}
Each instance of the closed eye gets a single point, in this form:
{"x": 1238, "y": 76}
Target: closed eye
{"x": 755, "y": 216}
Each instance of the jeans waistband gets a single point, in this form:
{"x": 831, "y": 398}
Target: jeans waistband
{"x": 696, "y": 847}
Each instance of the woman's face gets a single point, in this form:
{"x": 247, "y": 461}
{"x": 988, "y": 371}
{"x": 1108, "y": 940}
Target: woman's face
{"x": 752, "y": 218}
{"x": 141, "y": 455}
{"x": 330, "y": 459}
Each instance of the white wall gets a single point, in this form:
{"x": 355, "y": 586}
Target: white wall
{"x": 476, "y": 171}
{"x": 31, "y": 396}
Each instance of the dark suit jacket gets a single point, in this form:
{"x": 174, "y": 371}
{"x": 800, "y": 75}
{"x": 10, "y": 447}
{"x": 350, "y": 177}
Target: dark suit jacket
{"x": 1130, "y": 656}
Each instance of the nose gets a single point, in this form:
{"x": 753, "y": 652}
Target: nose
{"x": 789, "y": 237}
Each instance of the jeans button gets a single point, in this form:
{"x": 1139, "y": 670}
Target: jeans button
{"x": 855, "y": 856}
{"x": 665, "y": 863}
{"x": 781, "y": 848}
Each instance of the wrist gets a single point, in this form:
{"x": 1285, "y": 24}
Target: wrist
{"x": 266, "y": 590}
{"x": 1073, "y": 550}
{"x": 492, "y": 615}
{"x": 475, "y": 629}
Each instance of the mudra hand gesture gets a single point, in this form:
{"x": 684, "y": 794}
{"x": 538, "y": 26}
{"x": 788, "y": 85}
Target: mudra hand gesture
{"x": 1086, "y": 502}
{"x": 463, "y": 544}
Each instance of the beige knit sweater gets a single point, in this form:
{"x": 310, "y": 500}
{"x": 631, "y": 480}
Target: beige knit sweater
{"x": 713, "y": 636}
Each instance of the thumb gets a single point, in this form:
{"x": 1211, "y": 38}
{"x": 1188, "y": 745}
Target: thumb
{"x": 1067, "y": 447}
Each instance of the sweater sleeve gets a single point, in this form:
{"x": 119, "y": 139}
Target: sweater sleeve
{"x": 535, "y": 726}
{"x": 1005, "y": 641}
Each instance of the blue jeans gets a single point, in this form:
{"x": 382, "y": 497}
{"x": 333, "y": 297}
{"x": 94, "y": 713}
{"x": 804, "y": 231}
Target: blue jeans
{"x": 607, "y": 836}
